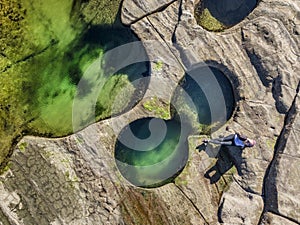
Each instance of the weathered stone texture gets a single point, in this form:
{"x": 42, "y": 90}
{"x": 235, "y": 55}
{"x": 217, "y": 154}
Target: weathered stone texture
{"x": 272, "y": 219}
{"x": 74, "y": 180}
{"x": 239, "y": 207}
{"x": 137, "y": 9}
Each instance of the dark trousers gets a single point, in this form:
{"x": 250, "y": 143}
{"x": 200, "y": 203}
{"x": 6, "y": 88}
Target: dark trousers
{"x": 228, "y": 140}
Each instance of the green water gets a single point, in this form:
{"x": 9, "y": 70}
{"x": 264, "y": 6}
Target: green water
{"x": 50, "y": 51}
{"x": 148, "y": 157}
{"x": 151, "y": 163}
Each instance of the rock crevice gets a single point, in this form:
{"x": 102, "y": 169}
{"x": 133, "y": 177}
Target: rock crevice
{"x": 142, "y": 9}
{"x": 191, "y": 201}
{"x": 270, "y": 192}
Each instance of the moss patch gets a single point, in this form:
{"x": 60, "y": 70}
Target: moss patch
{"x": 22, "y": 146}
{"x": 225, "y": 181}
{"x": 271, "y": 143}
{"x": 158, "y": 65}
{"x": 159, "y": 108}
{"x": 207, "y": 21}
{"x": 106, "y": 12}
{"x": 114, "y": 96}
{"x": 6, "y": 168}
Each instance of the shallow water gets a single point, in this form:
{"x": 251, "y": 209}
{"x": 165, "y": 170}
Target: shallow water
{"x": 50, "y": 53}
{"x": 217, "y": 15}
{"x": 59, "y": 80}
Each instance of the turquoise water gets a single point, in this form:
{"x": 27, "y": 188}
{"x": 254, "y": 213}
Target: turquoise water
{"x": 59, "y": 81}
{"x": 151, "y": 159}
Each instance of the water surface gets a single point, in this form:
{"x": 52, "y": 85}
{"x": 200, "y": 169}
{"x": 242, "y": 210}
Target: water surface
{"x": 151, "y": 152}
{"x": 152, "y": 163}
{"x": 44, "y": 55}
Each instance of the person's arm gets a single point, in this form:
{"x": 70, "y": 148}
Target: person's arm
{"x": 242, "y": 137}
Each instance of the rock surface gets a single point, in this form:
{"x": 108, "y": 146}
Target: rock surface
{"x": 74, "y": 180}
{"x": 276, "y": 220}
{"x": 135, "y": 10}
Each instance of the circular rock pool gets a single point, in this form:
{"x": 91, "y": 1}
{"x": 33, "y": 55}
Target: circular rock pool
{"x": 204, "y": 97}
{"x": 217, "y": 15}
{"x": 151, "y": 152}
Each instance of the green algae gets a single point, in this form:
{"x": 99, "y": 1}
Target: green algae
{"x": 158, "y": 66}
{"x": 107, "y": 13}
{"x": 23, "y": 45}
{"x": 160, "y": 109}
{"x": 218, "y": 15}
{"x": 22, "y": 146}
{"x": 207, "y": 21}
{"x": 44, "y": 52}
{"x": 149, "y": 157}
{"x": 51, "y": 20}
{"x": 109, "y": 101}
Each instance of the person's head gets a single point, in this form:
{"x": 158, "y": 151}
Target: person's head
{"x": 249, "y": 142}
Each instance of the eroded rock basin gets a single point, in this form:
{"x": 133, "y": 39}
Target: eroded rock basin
{"x": 151, "y": 152}
{"x": 53, "y": 181}
{"x": 217, "y": 15}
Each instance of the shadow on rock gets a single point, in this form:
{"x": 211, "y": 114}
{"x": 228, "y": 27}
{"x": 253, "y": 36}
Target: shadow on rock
{"x": 227, "y": 157}
{"x": 229, "y": 12}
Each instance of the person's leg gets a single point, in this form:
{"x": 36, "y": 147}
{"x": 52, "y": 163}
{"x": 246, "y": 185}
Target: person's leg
{"x": 229, "y": 137}
{"x": 215, "y": 141}
{"x": 220, "y": 142}
{"x": 228, "y": 140}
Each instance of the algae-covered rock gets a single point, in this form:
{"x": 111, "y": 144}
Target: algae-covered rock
{"x": 46, "y": 49}
{"x": 29, "y": 34}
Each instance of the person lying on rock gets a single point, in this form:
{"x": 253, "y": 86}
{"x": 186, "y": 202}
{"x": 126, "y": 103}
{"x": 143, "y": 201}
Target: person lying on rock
{"x": 235, "y": 139}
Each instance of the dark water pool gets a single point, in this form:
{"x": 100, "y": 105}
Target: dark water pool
{"x": 150, "y": 155}
{"x": 151, "y": 152}
{"x": 204, "y": 96}
{"x": 229, "y": 12}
